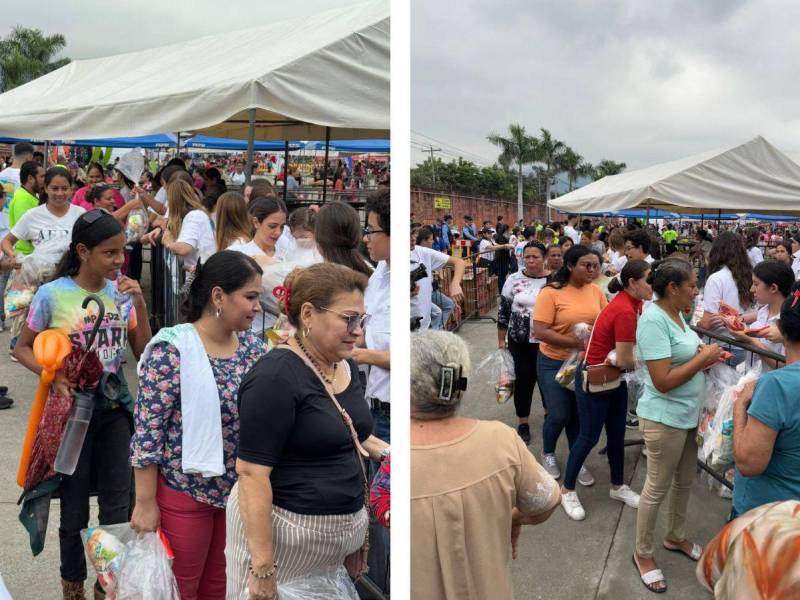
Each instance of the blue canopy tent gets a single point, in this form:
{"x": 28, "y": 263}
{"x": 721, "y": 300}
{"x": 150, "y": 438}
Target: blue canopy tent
{"x": 159, "y": 140}
{"x": 771, "y": 218}
{"x": 636, "y": 214}
{"x": 710, "y": 217}
{"x": 354, "y": 146}
{"x": 204, "y": 142}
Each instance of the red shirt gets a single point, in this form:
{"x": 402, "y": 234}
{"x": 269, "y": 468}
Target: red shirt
{"x": 615, "y": 323}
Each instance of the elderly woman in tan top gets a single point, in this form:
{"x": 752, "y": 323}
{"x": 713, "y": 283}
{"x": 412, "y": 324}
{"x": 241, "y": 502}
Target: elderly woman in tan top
{"x": 473, "y": 483}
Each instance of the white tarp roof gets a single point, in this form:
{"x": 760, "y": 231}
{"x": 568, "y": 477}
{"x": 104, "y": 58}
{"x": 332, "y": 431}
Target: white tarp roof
{"x": 750, "y": 177}
{"x": 326, "y": 69}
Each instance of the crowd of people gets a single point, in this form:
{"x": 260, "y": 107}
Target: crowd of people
{"x": 587, "y": 306}
{"x": 256, "y": 441}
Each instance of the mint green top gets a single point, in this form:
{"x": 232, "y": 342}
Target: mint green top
{"x": 657, "y": 337}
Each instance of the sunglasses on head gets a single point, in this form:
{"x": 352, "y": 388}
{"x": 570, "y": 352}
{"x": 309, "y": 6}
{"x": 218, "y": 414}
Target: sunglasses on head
{"x": 94, "y": 215}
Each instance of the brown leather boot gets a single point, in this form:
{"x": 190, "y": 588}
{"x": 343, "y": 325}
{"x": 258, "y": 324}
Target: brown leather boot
{"x": 72, "y": 590}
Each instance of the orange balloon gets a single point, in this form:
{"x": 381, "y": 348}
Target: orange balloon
{"x": 50, "y": 347}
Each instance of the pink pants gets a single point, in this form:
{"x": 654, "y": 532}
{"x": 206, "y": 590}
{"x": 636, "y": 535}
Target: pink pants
{"x": 196, "y": 532}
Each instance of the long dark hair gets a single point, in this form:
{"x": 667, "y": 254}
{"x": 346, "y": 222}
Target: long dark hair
{"x": 49, "y": 175}
{"x": 728, "y": 251}
{"x": 338, "y": 236}
{"x": 227, "y": 269}
{"x": 561, "y": 277}
{"x": 777, "y": 273}
{"x": 789, "y": 322}
{"x": 91, "y": 231}
{"x": 633, "y": 269}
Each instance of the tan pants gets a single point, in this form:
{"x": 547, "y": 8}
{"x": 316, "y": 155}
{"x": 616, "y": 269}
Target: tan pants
{"x": 671, "y": 465}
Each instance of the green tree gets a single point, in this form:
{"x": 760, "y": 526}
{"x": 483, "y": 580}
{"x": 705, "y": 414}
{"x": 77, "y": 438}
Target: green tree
{"x": 520, "y": 148}
{"x": 608, "y": 167}
{"x": 551, "y": 153}
{"x": 574, "y": 166}
{"x": 26, "y": 54}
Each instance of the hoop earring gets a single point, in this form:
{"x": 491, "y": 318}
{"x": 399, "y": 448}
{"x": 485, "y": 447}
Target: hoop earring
{"x": 219, "y": 313}
{"x": 306, "y": 331}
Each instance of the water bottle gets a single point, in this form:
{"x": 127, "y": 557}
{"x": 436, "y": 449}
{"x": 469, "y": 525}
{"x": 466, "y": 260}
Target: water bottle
{"x": 74, "y": 434}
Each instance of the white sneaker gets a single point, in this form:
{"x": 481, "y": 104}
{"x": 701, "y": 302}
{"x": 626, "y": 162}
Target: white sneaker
{"x": 572, "y": 506}
{"x": 550, "y": 465}
{"x": 585, "y": 478}
{"x": 626, "y": 495}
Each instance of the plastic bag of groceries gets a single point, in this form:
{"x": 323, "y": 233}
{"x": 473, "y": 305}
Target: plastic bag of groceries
{"x": 36, "y": 268}
{"x": 324, "y": 584}
{"x": 634, "y": 379}
{"x": 718, "y": 378}
{"x": 498, "y": 368}
{"x": 129, "y": 567}
{"x": 136, "y": 225}
{"x": 718, "y": 439}
{"x": 566, "y": 374}
{"x": 274, "y": 275}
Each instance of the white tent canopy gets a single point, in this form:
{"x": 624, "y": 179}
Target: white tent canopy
{"x": 750, "y": 177}
{"x": 302, "y": 75}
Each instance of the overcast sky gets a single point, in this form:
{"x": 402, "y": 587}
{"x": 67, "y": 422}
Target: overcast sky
{"x": 630, "y": 80}
{"x": 95, "y": 28}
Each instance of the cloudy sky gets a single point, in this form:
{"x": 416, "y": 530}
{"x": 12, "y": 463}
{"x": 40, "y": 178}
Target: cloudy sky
{"x": 96, "y": 28}
{"x": 631, "y": 80}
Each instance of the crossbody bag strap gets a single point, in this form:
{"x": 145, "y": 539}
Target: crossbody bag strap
{"x": 348, "y": 422}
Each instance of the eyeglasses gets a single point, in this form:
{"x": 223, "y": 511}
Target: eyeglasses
{"x": 354, "y": 322}
{"x": 369, "y": 231}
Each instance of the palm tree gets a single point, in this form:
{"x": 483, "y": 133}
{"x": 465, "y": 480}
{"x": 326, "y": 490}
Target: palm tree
{"x": 572, "y": 164}
{"x": 608, "y": 167}
{"x": 551, "y": 152}
{"x": 518, "y": 147}
{"x": 26, "y": 54}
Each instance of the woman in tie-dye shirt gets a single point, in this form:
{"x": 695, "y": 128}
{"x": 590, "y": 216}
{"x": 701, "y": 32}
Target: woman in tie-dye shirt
{"x": 90, "y": 266}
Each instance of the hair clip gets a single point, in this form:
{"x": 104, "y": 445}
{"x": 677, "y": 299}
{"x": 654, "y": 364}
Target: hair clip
{"x": 796, "y": 297}
{"x": 451, "y": 384}
{"x": 281, "y": 292}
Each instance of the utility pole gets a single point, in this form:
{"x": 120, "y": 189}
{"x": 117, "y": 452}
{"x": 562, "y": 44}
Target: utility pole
{"x": 433, "y": 163}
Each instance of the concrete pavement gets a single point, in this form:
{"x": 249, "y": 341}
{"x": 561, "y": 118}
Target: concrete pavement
{"x": 563, "y": 559}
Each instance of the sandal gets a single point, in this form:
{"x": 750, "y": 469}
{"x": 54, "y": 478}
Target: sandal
{"x": 695, "y": 554}
{"x": 651, "y": 578}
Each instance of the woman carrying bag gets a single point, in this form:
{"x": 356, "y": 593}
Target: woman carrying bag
{"x": 601, "y": 394}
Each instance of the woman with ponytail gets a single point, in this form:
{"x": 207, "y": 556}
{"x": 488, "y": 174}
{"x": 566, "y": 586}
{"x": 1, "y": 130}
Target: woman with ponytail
{"x": 338, "y": 234}
{"x": 91, "y": 266}
{"x": 186, "y": 420}
{"x": 614, "y": 331}
{"x": 569, "y": 300}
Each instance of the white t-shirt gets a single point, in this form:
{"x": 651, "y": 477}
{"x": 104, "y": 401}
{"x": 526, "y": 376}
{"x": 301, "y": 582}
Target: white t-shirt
{"x": 7, "y": 175}
{"x": 721, "y": 287}
{"x": 238, "y": 178}
{"x": 421, "y": 303}
{"x": 285, "y": 244}
{"x": 796, "y": 264}
{"x": 377, "y": 336}
{"x": 482, "y": 246}
{"x": 519, "y": 250}
{"x": 197, "y": 231}
{"x": 40, "y": 225}
{"x": 763, "y": 319}
{"x": 756, "y": 256}
{"x": 263, "y": 320}
{"x": 573, "y": 234}
{"x": 618, "y": 260}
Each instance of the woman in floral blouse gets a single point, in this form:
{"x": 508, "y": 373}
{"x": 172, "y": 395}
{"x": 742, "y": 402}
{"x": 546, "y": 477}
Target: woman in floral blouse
{"x": 182, "y": 483}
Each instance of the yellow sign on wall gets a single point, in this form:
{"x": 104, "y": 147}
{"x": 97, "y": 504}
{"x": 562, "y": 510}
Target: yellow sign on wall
{"x": 441, "y": 202}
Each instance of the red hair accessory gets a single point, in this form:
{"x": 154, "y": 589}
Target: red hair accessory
{"x": 796, "y": 296}
{"x": 281, "y": 292}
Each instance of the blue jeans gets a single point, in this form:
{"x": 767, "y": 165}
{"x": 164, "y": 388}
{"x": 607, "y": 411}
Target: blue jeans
{"x": 562, "y": 411}
{"x": 379, "y": 540}
{"x": 445, "y": 305}
{"x": 595, "y": 411}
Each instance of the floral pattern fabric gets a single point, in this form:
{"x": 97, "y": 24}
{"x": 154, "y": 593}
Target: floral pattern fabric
{"x": 157, "y": 436}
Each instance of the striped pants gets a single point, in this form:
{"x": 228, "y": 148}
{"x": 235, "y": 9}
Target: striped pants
{"x": 301, "y": 543}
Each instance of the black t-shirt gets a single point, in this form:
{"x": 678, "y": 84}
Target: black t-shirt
{"x": 288, "y": 422}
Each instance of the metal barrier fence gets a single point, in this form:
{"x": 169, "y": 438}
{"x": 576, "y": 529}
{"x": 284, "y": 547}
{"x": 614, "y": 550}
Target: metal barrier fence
{"x": 479, "y": 286}
{"x": 168, "y": 276}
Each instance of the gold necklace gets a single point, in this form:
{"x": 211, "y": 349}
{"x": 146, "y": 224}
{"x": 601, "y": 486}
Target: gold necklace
{"x": 329, "y": 381}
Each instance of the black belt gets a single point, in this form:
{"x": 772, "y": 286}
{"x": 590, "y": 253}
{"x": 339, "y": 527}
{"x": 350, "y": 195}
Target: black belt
{"x": 384, "y": 408}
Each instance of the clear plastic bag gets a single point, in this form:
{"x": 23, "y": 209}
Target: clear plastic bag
{"x": 129, "y": 567}
{"x": 136, "y": 225}
{"x": 325, "y": 584}
{"x": 36, "y": 268}
{"x": 566, "y": 374}
{"x": 634, "y": 379}
{"x": 717, "y": 448}
{"x": 498, "y": 367}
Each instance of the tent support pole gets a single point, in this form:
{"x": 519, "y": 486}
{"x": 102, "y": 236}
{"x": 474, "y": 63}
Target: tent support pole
{"x": 647, "y": 215}
{"x": 251, "y": 142}
{"x": 325, "y": 166}
{"x": 719, "y": 218}
{"x": 285, "y": 170}
{"x": 45, "y": 154}
{"x": 178, "y": 144}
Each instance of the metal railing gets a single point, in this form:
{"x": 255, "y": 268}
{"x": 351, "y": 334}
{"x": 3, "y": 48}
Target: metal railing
{"x": 168, "y": 277}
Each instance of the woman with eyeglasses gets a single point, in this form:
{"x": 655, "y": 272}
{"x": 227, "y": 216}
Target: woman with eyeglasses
{"x": 298, "y": 505}
{"x": 186, "y": 420}
{"x": 91, "y": 266}
{"x": 569, "y": 300}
